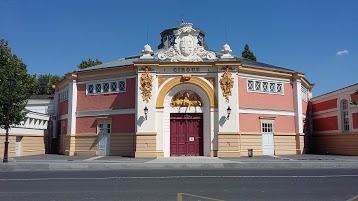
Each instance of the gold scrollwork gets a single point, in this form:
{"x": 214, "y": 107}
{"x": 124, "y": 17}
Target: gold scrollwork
{"x": 227, "y": 83}
{"x": 146, "y": 85}
{"x": 185, "y": 100}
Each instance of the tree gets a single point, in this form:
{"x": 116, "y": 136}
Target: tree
{"x": 89, "y": 63}
{"x": 11, "y": 65}
{"x": 44, "y": 84}
{"x": 248, "y": 54}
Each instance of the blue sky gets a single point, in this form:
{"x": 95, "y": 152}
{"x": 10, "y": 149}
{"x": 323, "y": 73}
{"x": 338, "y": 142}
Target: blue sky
{"x": 318, "y": 38}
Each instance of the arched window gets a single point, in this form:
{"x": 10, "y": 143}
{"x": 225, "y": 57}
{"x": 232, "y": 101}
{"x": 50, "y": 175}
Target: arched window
{"x": 345, "y": 115}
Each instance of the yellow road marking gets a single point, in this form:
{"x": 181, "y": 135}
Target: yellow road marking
{"x": 180, "y": 197}
{"x": 353, "y": 198}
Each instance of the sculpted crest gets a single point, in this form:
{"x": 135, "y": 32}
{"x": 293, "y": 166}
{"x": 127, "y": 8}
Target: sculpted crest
{"x": 186, "y": 46}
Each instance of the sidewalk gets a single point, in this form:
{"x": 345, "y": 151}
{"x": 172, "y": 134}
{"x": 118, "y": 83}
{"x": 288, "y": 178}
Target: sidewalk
{"x": 60, "y": 162}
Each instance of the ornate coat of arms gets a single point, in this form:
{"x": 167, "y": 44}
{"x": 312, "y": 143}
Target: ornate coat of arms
{"x": 186, "y": 46}
{"x": 146, "y": 85}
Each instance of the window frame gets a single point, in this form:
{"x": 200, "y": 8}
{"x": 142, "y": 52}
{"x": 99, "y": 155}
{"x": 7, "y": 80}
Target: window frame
{"x": 63, "y": 94}
{"x": 262, "y": 89}
{"x": 344, "y": 113}
{"x": 110, "y": 89}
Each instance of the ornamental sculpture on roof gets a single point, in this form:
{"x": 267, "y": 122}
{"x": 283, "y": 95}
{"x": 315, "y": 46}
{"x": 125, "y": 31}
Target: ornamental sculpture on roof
{"x": 146, "y": 85}
{"x": 186, "y": 46}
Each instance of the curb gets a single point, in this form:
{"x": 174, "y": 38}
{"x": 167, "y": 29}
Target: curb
{"x": 125, "y": 166}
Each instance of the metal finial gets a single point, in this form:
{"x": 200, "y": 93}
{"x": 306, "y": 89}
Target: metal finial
{"x": 182, "y": 17}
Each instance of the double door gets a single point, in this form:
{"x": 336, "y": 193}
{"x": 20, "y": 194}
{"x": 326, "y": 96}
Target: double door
{"x": 186, "y": 134}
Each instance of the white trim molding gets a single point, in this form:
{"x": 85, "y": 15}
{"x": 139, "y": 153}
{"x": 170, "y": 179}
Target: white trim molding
{"x": 104, "y": 112}
{"x": 266, "y": 111}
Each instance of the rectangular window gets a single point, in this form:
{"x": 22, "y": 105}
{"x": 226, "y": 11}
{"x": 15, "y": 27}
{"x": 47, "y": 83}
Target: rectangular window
{"x": 122, "y": 86}
{"x": 113, "y": 86}
{"x": 90, "y": 89}
{"x": 257, "y": 86}
{"x": 265, "y": 86}
{"x": 63, "y": 95}
{"x": 250, "y": 85}
{"x": 278, "y": 88}
{"x": 105, "y": 87}
{"x": 304, "y": 93}
{"x": 98, "y": 88}
{"x": 267, "y": 127}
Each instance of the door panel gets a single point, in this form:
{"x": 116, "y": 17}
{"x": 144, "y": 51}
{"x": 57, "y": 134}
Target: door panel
{"x": 186, "y": 136}
{"x": 268, "y": 145}
{"x": 104, "y": 139}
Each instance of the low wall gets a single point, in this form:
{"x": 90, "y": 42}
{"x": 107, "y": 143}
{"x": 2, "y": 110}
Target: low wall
{"x": 336, "y": 143}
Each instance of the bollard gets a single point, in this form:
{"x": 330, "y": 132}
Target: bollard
{"x": 250, "y": 152}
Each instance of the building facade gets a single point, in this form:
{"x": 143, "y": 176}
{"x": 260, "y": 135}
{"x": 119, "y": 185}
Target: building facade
{"x": 335, "y": 122}
{"x": 31, "y": 137}
{"x": 182, "y": 100}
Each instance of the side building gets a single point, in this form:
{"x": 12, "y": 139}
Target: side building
{"x": 31, "y": 137}
{"x": 335, "y": 122}
{"x": 182, "y": 100}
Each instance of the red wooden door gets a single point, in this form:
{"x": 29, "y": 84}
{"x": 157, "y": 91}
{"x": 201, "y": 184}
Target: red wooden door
{"x": 186, "y": 135}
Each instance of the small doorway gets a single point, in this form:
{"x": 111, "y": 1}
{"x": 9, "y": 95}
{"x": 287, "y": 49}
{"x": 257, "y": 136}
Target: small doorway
{"x": 267, "y": 139}
{"x": 104, "y": 139}
{"x": 186, "y": 134}
{"x": 18, "y": 145}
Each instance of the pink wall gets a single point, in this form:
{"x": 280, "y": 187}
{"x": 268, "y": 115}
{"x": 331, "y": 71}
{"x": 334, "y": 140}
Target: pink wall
{"x": 63, "y": 107}
{"x": 265, "y": 101}
{"x": 122, "y": 123}
{"x": 355, "y": 120}
{"x": 326, "y": 105}
{"x": 325, "y": 124}
{"x": 354, "y": 97}
{"x": 86, "y": 125}
{"x": 106, "y": 101}
{"x": 304, "y": 107}
{"x": 251, "y": 123}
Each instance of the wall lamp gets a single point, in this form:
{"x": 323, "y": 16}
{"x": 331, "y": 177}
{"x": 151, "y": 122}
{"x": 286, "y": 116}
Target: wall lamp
{"x": 145, "y": 112}
{"x": 228, "y": 110}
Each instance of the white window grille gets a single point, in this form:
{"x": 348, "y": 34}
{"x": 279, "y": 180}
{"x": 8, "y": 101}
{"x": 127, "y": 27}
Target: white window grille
{"x": 122, "y": 86}
{"x": 264, "y": 86}
{"x": 304, "y": 93}
{"x": 90, "y": 89}
{"x": 267, "y": 127}
{"x": 250, "y": 85}
{"x": 106, "y": 87}
{"x": 257, "y": 86}
{"x": 63, "y": 95}
{"x": 113, "y": 86}
{"x": 98, "y": 88}
{"x": 345, "y": 115}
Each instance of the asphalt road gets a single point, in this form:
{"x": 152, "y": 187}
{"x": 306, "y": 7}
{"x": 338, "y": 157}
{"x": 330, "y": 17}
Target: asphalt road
{"x": 185, "y": 185}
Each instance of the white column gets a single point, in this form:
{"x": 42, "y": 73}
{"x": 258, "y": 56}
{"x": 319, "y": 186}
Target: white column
{"x": 149, "y": 124}
{"x": 298, "y": 105}
{"x": 72, "y": 105}
{"x": 232, "y": 123}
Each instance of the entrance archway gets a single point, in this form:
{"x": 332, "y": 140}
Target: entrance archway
{"x": 204, "y": 109}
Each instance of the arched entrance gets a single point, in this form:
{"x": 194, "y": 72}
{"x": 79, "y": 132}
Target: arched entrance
{"x": 186, "y": 130}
